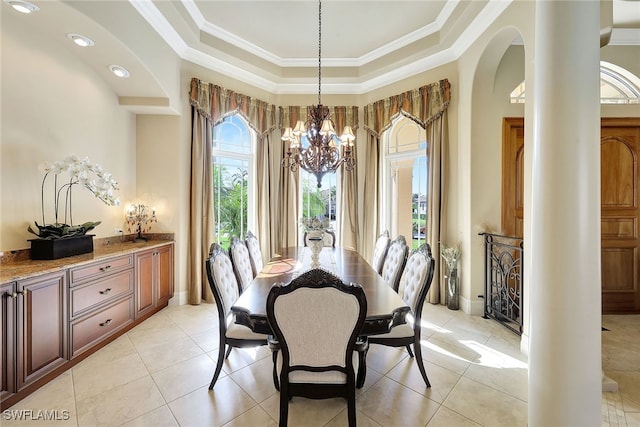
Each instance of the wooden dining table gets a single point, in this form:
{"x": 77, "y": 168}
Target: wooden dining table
{"x": 384, "y": 305}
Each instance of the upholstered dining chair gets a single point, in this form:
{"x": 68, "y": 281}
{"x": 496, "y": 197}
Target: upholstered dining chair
{"x": 328, "y": 239}
{"x": 380, "y": 251}
{"x": 224, "y": 286}
{"x": 394, "y": 261}
{"x": 414, "y": 284}
{"x": 255, "y": 253}
{"x": 317, "y": 318}
{"x": 241, "y": 263}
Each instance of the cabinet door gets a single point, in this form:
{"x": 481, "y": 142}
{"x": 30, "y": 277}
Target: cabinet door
{"x": 41, "y": 324}
{"x": 7, "y": 353}
{"x": 165, "y": 274}
{"x": 145, "y": 298}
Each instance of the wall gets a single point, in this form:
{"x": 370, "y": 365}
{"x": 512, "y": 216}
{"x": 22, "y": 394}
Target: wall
{"x": 53, "y": 105}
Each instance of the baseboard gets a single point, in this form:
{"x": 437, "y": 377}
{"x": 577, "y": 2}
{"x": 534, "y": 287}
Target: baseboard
{"x": 179, "y": 298}
{"x": 473, "y": 308}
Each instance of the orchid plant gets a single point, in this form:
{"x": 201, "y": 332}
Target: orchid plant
{"x": 80, "y": 172}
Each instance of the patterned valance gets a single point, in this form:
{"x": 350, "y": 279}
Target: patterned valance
{"x": 216, "y": 103}
{"x": 341, "y": 116}
{"x": 422, "y": 105}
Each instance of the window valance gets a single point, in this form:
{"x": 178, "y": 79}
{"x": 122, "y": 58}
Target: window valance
{"x": 342, "y": 116}
{"x": 422, "y": 105}
{"x": 216, "y": 103}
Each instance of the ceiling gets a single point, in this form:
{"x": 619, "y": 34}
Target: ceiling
{"x": 273, "y": 44}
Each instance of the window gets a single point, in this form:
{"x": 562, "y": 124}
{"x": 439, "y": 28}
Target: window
{"x": 233, "y": 178}
{"x": 617, "y": 86}
{"x": 405, "y": 181}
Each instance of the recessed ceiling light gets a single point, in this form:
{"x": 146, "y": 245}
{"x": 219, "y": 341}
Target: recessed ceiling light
{"x": 119, "y": 71}
{"x": 22, "y": 6}
{"x": 80, "y": 40}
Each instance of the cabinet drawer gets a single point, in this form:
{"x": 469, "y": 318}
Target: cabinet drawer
{"x": 100, "y": 268}
{"x": 92, "y": 294}
{"x": 87, "y": 332}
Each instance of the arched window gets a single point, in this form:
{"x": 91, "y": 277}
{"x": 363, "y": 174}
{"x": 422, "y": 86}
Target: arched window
{"x": 233, "y": 176}
{"x": 405, "y": 180}
{"x": 617, "y": 86}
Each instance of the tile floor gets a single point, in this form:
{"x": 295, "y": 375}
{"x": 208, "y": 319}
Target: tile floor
{"x": 157, "y": 375}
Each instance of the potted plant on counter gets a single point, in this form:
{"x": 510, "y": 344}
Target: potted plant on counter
{"x": 62, "y": 238}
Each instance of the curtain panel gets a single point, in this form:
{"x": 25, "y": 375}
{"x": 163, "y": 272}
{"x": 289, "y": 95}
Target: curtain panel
{"x": 427, "y": 106}
{"x": 211, "y": 104}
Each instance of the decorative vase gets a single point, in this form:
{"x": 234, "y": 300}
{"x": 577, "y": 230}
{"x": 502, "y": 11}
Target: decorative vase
{"x": 61, "y": 248}
{"x": 316, "y": 242}
{"x": 452, "y": 290}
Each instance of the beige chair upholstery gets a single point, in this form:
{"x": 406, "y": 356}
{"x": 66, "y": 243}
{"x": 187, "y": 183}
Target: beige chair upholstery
{"x": 224, "y": 286}
{"x": 255, "y": 254}
{"x": 241, "y": 262}
{"x": 414, "y": 284}
{"x": 380, "y": 251}
{"x": 394, "y": 261}
{"x": 317, "y": 319}
{"x": 328, "y": 239}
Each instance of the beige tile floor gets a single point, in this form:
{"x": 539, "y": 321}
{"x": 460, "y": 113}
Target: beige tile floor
{"x": 157, "y": 375}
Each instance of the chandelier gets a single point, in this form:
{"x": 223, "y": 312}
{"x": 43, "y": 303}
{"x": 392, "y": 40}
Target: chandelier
{"x": 325, "y": 152}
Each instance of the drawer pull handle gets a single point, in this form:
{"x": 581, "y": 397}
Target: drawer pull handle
{"x": 106, "y": 291}
{"x": 105, "y": 268}
{"x": 106, "y": 322}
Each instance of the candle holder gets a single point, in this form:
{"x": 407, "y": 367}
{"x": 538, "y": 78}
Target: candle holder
{"x": 139, "y": 220}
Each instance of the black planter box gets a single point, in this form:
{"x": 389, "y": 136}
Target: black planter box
{"x": 61, "y": 248}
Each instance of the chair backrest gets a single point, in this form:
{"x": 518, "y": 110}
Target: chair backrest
{"x": 394, "y": 261}
{"x": 328, "y": 239}
{"x": 241, "y": 263}
{"x": 380, "y": 251}
{"x": 416, "y": 279}
{"x": 255, "y": 254}
{"x": 317, "y": 319}
{"x": 222, "y": 281}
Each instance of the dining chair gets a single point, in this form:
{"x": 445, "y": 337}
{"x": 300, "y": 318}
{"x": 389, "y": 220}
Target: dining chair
{"x": 255, "y": 253}
{"x": 224, "y": 286}
{"x": 328, "y": 239}
{"x": 317, "y": 318}
{"x": 414, "y": 284}
{"x": 241, "y": 263}
{"x": 380, "y": 251}
{"x": 394, "y": 261}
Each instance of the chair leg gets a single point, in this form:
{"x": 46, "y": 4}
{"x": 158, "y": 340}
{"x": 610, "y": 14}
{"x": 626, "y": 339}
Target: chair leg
{"x": 228, "y": 352}
{"x": 351, "y": 407}
{"x": 362, "y": 367}
{"x": 409, "y": 350}
{"x": 284, "y": 405}
{"x": 218, "y": 366}
{"x": 418, "y": 349}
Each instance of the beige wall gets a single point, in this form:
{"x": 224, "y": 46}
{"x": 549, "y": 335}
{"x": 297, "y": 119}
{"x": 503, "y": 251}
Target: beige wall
{"x": 53, "y": 105}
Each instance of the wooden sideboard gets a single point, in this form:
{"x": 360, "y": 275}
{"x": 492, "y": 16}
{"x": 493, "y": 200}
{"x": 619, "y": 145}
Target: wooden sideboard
{"x": 56, "y": 313}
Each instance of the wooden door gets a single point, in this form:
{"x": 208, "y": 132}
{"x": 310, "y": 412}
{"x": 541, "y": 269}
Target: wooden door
{"x": 8, "y": 348}
{"x": 620, "y": 194}
{"x": 145, "y": 297}
{"x": 41, "y": 326}
{"x": 165, "y": 274}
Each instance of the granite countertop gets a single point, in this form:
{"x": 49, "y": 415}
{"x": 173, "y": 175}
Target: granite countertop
{"x": 18, "y": 268}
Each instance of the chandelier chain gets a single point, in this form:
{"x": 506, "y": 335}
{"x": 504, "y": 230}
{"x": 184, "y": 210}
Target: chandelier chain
{"x": 319, "y": 48}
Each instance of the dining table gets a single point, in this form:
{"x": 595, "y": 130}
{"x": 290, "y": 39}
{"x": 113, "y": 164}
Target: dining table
{"x": 384, "y": 306}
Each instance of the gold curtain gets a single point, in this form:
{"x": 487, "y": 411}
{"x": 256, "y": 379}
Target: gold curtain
{"x": 427, "y": 106}
{"x": 347, "y": 223}
{"x": 211, "y": 104}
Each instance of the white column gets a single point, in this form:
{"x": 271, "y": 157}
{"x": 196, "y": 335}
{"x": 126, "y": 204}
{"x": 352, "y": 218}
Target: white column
{"x": 565, "y": 337}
